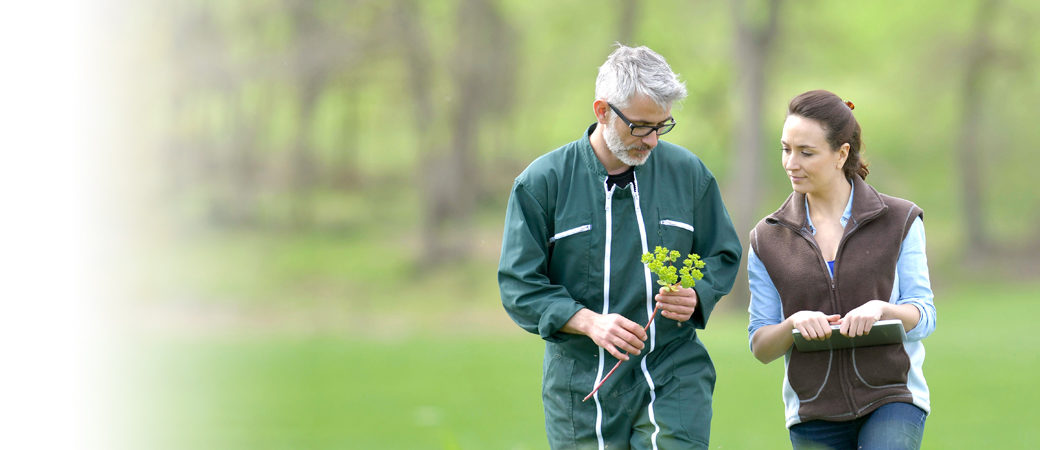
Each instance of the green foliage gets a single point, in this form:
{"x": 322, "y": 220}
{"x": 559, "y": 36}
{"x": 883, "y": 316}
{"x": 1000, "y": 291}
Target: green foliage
{"x": 222, "y": 82}
{"x": 661, "y": 262}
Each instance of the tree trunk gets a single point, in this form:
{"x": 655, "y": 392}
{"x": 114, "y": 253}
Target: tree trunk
{"x": 302, "y": 160}
{"x": 243, "y": 166}
{"x": 978, "y": 56}
{"x": 754, "y": 43}
{"x": 482, "y": 81}
{"x": 416, "y": 49}
{"x": 628, "y": 17}
{"x": 308, "y": 79}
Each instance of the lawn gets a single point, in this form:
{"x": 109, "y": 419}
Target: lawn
{"x": 481, "y": 391}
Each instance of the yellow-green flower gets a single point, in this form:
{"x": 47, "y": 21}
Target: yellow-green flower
{"x": 666, "y": 273}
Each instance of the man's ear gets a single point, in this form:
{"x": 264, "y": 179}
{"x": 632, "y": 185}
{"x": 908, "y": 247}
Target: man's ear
{"x": 600, "y": 108}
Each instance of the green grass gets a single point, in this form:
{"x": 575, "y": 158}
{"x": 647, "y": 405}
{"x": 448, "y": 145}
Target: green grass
{"x": 426, "y": 392}
{"x": 980, "y": 366}
{"x": 446, "y": 391}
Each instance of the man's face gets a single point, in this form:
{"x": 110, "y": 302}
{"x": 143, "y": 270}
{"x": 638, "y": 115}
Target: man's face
{"x": 632, "y": 150}
{"x": 633, "y": 153}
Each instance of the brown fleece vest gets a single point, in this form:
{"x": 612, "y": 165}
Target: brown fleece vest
{"x": 843, "y": 384}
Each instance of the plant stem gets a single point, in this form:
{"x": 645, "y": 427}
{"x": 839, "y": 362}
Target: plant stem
{"x": 604, "y": 380}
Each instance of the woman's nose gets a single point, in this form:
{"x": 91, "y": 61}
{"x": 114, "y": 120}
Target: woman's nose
{"x": 790, "y": 163}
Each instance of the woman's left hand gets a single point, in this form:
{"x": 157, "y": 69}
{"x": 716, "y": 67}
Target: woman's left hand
{"x": 678, "y": 305}
{"x": 859, "y": 321}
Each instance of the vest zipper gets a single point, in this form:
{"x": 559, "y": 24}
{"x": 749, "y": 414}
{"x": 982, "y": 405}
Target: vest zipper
{"x": 844, "y": 366}
{"x": 841, "y": 366}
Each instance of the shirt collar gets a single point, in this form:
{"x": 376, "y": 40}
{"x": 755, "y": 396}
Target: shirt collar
{"x": 845, "y": 216}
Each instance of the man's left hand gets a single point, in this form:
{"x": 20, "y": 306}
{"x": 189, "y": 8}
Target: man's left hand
{"x": 678, "y": 305}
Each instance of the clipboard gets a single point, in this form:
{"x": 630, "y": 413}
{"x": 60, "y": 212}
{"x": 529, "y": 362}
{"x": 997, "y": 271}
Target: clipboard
{"x": 883, "y": 332}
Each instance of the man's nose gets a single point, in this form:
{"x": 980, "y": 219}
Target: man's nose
{"x": 650, "y": 140}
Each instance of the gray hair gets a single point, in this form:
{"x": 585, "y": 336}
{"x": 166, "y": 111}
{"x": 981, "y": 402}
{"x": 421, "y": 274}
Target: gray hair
{"x": 629, "y": 71}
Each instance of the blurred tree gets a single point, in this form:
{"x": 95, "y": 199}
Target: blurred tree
{"x": 409, "y": 28}
{"x": 483, "y": 63}
{"x": 311, "y": 62}
{"x": 978, "y": 59}
{"x": 628, "y": 17}
{"x": 321, "y": 52}
{"x": 241, "y": 70}
{"x": 210, "y": 151}
{"x": 756, "y": 30}
{"x": 264, "y": 104}
{"x": 412, "y": 35}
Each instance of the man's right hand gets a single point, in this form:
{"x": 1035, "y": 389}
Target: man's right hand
{"x": 615, "y": 333}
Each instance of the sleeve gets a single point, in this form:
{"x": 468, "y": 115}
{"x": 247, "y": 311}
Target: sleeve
{"x": 718, "y": 247}
{"x": 914, "y": 286}
{"x": 765, "y": 307}
{"x": 528, "y": 295}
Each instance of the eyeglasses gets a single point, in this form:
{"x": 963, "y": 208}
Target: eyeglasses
{"x": 644, "y": 130}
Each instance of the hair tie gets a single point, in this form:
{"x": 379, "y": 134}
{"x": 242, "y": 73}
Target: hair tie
{"x": 849, "y": 104}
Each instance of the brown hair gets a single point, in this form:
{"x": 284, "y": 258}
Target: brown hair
{"x": 835, "y": 115}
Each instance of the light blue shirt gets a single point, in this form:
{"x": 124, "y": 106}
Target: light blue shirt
{"x": 911, "y": 286}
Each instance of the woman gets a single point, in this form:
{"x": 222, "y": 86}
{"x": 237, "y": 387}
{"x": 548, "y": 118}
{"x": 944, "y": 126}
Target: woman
{"x": 839, "y": 252}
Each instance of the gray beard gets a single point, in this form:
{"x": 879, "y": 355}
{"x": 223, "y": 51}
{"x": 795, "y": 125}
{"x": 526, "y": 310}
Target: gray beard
{"x": 619, "y": 149}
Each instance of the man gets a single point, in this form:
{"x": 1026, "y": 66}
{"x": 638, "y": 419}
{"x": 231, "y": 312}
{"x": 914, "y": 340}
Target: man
{"x": 578, "y": 220}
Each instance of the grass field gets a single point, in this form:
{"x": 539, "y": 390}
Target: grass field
{"x": 429, "y": 390}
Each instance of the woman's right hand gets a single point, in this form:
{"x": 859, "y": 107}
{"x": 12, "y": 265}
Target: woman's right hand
{"x": 772, "y": 341}
{"x": 814, "y": 325}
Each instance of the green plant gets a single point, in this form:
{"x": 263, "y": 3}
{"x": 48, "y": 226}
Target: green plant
{"x": 661, "y": 262}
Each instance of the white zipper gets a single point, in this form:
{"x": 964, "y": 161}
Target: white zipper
{"x": 649, "y": 312}
{"x": 674, "y": 223}
{"x": 570, "y": 232}
{"x": 646, "y": 270}
{"x": 606, "y": 308}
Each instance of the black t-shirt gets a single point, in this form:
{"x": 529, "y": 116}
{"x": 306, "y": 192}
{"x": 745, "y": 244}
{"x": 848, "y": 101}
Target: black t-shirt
{"x": 622, "y": 179}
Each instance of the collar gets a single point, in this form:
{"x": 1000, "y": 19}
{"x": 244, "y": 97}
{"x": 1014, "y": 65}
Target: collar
{"x": 864, "y": 204}
{"x": 845, "y": 215}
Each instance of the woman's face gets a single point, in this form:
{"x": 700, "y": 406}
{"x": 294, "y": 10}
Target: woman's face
{"x": 811, "y": 164}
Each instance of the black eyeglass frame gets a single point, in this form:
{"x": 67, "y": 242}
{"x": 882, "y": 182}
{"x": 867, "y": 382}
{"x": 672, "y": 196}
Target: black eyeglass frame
{"x": 659, "y": 129}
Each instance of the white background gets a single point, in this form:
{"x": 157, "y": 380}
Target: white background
{"x": 48, "y": 240}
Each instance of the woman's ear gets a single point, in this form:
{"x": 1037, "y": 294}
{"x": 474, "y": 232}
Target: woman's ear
{"x": 843, "y": 154}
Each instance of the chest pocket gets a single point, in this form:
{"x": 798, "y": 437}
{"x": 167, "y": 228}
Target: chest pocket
{"x": 570, "y": 253}
{"x": 675, "y": 230}
{"x": 568, "y": 233}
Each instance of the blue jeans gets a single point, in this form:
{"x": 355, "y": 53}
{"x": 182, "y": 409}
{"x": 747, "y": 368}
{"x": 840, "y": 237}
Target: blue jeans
{"x": 892, "y": 426}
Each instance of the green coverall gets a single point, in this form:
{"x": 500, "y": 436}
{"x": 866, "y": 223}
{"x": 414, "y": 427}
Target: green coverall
{"x": 570, "y": 243}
